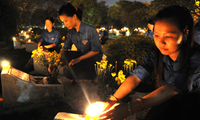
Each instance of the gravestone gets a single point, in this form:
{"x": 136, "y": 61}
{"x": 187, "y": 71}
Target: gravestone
{"x": 19, "y": 88}
{"x": 38, "y": 69}
{"x": 30, "y": 46}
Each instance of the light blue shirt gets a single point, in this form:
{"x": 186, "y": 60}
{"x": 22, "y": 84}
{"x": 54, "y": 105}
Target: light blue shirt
{"x": 86, "y": 40}
{"x": 186, "y": 79}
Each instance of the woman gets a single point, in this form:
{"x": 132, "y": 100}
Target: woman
{"x": 175, "y": 62}
{"x": 49, "y": 40}
{"x": 50, "y": 37}
{"x": 85, "y": 38}
{"x": 150, "y": 32}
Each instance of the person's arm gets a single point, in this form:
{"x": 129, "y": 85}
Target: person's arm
{"x": 56, "y": 41}
{"x": 127, "y": 86}
{"x": 83, "y": 57}
{"x": 50, "y": 46}
{"x": 154, "y": 98}
{"x": 41, "y": 39}
{"x": 39, "y": 43}
{"x": 95, "y": 48}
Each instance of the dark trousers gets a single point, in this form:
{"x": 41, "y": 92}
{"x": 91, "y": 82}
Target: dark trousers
{"x": 82, "y": 70}
{"x": 184, "y": 106}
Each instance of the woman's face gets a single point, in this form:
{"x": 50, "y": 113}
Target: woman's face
{"x": 49, "y": 25}
{"x": 69, "y": 22}
{"x": 168, "y": 38}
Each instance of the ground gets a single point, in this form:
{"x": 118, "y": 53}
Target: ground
{"x": 45, "y": 111}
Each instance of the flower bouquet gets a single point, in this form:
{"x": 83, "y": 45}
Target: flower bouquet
{"x": 49, "y": 62}
{"x": 110, "y": 80}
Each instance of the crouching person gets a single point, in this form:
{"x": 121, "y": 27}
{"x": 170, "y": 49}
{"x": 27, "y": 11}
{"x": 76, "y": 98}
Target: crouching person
{"x": 80, "y": 63}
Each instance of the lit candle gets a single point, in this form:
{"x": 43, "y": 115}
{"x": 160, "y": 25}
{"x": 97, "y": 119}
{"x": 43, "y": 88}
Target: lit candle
{"x": 5, "y": 65}
{"x": 14, "y": 39}
{"x": 29, "y": 40}
{"x": 94, "y": 110}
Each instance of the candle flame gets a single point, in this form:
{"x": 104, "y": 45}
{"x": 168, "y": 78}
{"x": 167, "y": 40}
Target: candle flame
{"x": 95, "y": 109}
{"x": 5, "y": 65}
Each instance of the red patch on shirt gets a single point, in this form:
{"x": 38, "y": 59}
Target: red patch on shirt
{"x": 84, "y": 42}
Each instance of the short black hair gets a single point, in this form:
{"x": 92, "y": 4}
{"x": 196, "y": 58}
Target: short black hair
{"x": 51, "y": 19}
{"x": 69, "y": 10}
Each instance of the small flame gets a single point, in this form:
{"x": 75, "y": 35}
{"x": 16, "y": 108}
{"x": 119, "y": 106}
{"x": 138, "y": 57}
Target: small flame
{"x": 14, "y": 39}
{"x": 95, "y": 109}
{"x": 5, "y": 65}
{"x": 29, "y": 40}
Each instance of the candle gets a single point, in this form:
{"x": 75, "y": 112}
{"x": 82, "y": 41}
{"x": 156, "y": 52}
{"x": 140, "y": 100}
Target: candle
{"x": 5, "y": 65}
{"x": 14, "y": 39}
{"x": 29, "y": 40}
{"x": 94, "y": 110}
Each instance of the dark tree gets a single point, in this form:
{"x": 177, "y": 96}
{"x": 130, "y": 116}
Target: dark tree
{"x": 8, "y": 20}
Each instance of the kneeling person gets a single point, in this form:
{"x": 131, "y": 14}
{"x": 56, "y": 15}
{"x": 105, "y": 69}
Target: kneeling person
{"x": 86, "y": 39}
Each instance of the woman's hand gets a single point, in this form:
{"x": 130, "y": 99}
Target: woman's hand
{"x": 74, "y": 61}
{"x": 117, "y": 112}
{"x": 47, "y": 46}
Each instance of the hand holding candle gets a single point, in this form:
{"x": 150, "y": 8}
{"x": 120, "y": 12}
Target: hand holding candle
{"x": 97, "y": 110}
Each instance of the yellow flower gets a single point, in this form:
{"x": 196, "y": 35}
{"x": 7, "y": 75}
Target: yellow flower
{"x": 122, "y": 78}
{"x": 55, "y": 64}
{"x": 114, "y": 74}
{"x": 34, "y": 51}
{"x": 133, "y": 61}
{"x": 120, "y": 72}
{"x": 98, "y": 63}
{"x": 58, "y": 60}
{"x": 118, "y": 82}
{"x": 49, "y": 59}
{"x": 116, "y": 79}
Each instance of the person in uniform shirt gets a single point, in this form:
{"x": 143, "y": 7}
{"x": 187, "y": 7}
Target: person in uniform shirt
{"x": 49, "y": 40}
{"x": 85, "y": 38}
{"x": 175, "y": 62}
{"x": 150, "y": 29}
{"x": 50, "y": 37}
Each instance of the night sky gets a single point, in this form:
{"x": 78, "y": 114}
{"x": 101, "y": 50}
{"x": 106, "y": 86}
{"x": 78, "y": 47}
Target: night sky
{"x": 112, "y": 2}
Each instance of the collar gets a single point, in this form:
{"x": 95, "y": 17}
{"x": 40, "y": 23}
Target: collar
{"x": 166, "y": 58}
{"x": 51, "y": 31}
{"x": 82, "y": 27}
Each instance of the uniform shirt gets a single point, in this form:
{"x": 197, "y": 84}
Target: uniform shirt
{"x": 186, "y": 79}
{"x": 85, "y": 40}
{"x": 197, "y": 36}
{"x": 149, "y": 34}
{"x": 48, "y": 38}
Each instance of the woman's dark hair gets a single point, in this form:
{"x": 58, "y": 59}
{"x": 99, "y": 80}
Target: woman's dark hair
{"x": 180, "y": 17}
{"x": 50, "y": 18}
{"x": 69, "y": 10}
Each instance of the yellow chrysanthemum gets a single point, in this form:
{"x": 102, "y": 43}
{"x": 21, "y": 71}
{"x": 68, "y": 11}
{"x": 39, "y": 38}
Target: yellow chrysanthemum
{"x": 113, "y": 74}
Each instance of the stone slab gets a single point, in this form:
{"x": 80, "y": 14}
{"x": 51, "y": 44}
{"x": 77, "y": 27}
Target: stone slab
{"x": 30, "y": 46}
{"x": 17, "y": 91}
{"x": 68, "y": 116}
{"x": 72, "y": 116}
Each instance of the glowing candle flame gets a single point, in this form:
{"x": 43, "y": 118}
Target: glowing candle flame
{"x": 29, "y": 40}
{"x": 95, "y": 109}
{"x": 14, "y": 39}
{"x": 5, "y": 65}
